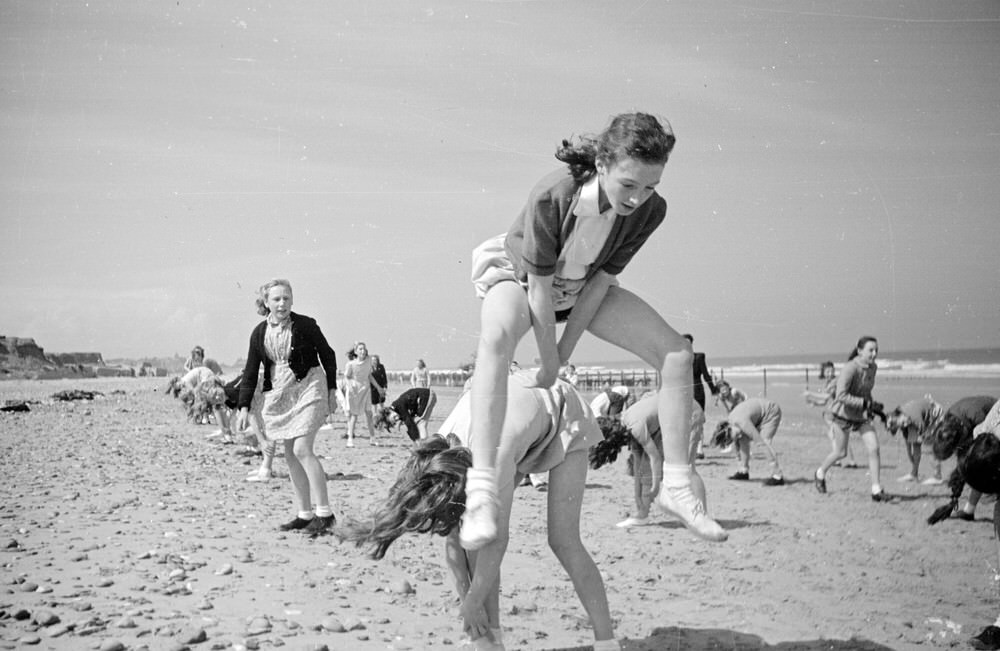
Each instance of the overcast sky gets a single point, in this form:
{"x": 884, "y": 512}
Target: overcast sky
{"x": 837, "y": 171}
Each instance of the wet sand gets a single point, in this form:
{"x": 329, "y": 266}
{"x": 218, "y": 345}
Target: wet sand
{"x": 122, "y": 523}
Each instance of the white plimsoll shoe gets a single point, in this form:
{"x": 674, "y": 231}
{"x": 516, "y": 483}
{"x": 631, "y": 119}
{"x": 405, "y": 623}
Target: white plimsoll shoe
{"x": 932, "y": 481}
{"x": 681, "y": 503}
{"x": 907, "y": 478}
{"x": 633, "y": 521}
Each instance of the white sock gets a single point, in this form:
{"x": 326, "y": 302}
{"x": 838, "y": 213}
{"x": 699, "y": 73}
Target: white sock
{"x": 676, "y": 475}
{"x": 876, "y": 489}
{"x": 481, "y": 479}
{"x": 305, "y": 515}
{"x": 820, "y": 474}
{"x": 324, "y": 511}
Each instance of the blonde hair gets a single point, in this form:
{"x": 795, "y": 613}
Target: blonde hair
{"x": 261, "y": 300}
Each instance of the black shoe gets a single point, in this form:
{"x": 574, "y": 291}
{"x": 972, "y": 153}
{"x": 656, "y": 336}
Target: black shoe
{"x": 987, "y": 640}
{"x": 968, "y": 517}
{"x": 296, "y": 524}
{"x": 320, "y": 524}
{"x": 774, "y": 481}
{"x": 820, "y": 484}
{"x": 700, "y": 455}
{"x": 740, "y": 476}
{"x": 881, "y": 496}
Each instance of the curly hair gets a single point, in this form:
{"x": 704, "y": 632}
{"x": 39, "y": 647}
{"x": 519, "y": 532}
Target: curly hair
{"x": 723, "y": 434}
{"x": 616, "y": 436}
{"x": 629, "y": 135}
{"x": 380, "y": 420}
{"x": 261, "y": 300}
{"x": 950, "y": 436}
{"x": 427, "y": 497}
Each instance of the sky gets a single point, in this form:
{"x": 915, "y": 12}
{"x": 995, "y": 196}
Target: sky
{"x": 837, "y": 169}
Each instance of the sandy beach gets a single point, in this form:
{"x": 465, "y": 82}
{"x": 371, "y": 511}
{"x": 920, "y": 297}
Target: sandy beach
{"x": 124, "y": 527}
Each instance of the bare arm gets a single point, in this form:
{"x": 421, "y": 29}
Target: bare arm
{"x": 587, "y": 304}
{"x": 543, "y": 322}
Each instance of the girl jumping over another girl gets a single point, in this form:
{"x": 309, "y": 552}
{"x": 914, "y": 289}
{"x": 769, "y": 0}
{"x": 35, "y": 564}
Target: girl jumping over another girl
{"x": 559, "y": 263}
{"x": 544, "y": 430}
{"x": 297, "y": 396}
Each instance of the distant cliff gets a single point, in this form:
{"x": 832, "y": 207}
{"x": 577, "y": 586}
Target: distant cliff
{"x": 21, "y": 357}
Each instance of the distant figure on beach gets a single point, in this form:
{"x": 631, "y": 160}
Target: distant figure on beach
{"x": 357, "y": 376}
{"x": 728, "y": 396}
{"x": 570, "y": 374}
{"x": 611, "y": 401}
{"x": 559, "y": 263}
{"x": 699, "y": 368}
{"x": 852, "y": 410}
{"x": 420, "y": 377}
{"x": 413, "y": 408}
{"x": 545, "y": 430}
{"x": 299, "y": 390}
{"x": 379, "y": 384}
{"x": 914, "y": 420}
{"x": 639, "y": 428}
{"x": 754, "y": 418}
{"x": 197, "y": 358}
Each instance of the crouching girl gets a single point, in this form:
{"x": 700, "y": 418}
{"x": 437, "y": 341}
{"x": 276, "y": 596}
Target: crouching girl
{"x": 544, "y": 430}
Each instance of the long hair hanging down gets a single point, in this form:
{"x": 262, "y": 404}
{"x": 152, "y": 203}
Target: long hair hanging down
{"x": 380, "y": 420}
{"x": 616, "y": 436}
{"x": 723, "y": 434}
{"x": 427, "y": 497}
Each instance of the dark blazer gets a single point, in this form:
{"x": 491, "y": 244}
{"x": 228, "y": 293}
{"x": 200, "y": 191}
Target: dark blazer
{"x": 309, "y": 349}
{"x": 700, "y": 368}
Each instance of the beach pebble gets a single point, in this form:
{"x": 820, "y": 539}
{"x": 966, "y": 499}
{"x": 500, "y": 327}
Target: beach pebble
{"x": 402, "y": 587}
{"x": 56, "y": 631}
{"x": 27, "y": 586}
{"x": 192, "y": 636}
{"x": 353, "y": 624}
{"x": 205, "y": 604}
{"x": 21, "y": 614}
{"x": 29, "y": 639}
{"x": 125, "y": 622}
{"x": 259, "y": 626}
{"x": 81, "y": 606}
{"x": 11, "y": 544}
{"x": 46, "y": 618}
{"x": 105, "y": 582}
{"x": 244, "y": 556}
{"x": 177, "y": 575}
{"x": 112, "y": 645}
{"x": 226, "y": 568}
{"x": 333, "y": 624}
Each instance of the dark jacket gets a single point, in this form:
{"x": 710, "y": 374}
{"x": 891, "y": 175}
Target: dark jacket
{"x": 700, "y": 369}
{"x": 410, "y": 404}
{"x": 379, "y": 383}
{"x": 309, "y": 349}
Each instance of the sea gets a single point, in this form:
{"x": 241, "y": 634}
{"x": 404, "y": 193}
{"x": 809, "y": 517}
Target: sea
{"x": 938, "y": 363}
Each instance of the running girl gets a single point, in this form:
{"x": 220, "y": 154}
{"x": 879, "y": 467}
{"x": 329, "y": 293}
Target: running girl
{"x": 296, "y": 396}
{"x": 559, "y": 264}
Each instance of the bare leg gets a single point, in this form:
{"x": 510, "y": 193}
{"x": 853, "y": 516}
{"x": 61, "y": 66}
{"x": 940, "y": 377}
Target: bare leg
{"x": 628, "y": 322}
{"x": 566, "y": 484}
{"x": 504, "y": 321}
{"x": 302, "y": 449}
{"x": 300, "y": 480}
{"x": 870, "y": 439}
{"x": 352, "y": 420}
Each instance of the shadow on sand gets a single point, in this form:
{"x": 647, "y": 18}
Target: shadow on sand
{"x": 670, "y": 638}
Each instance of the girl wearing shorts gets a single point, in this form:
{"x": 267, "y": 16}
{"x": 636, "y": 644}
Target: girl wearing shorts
{"x": 852, "y": 410}
{"x": 559, "y": 264}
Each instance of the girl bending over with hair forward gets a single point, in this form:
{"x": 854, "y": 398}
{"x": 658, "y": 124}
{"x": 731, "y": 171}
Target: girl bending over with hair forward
{"x": 559, "y": 263}
{"x": 639, "y": 428}
{"x": 544, "y": 430}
